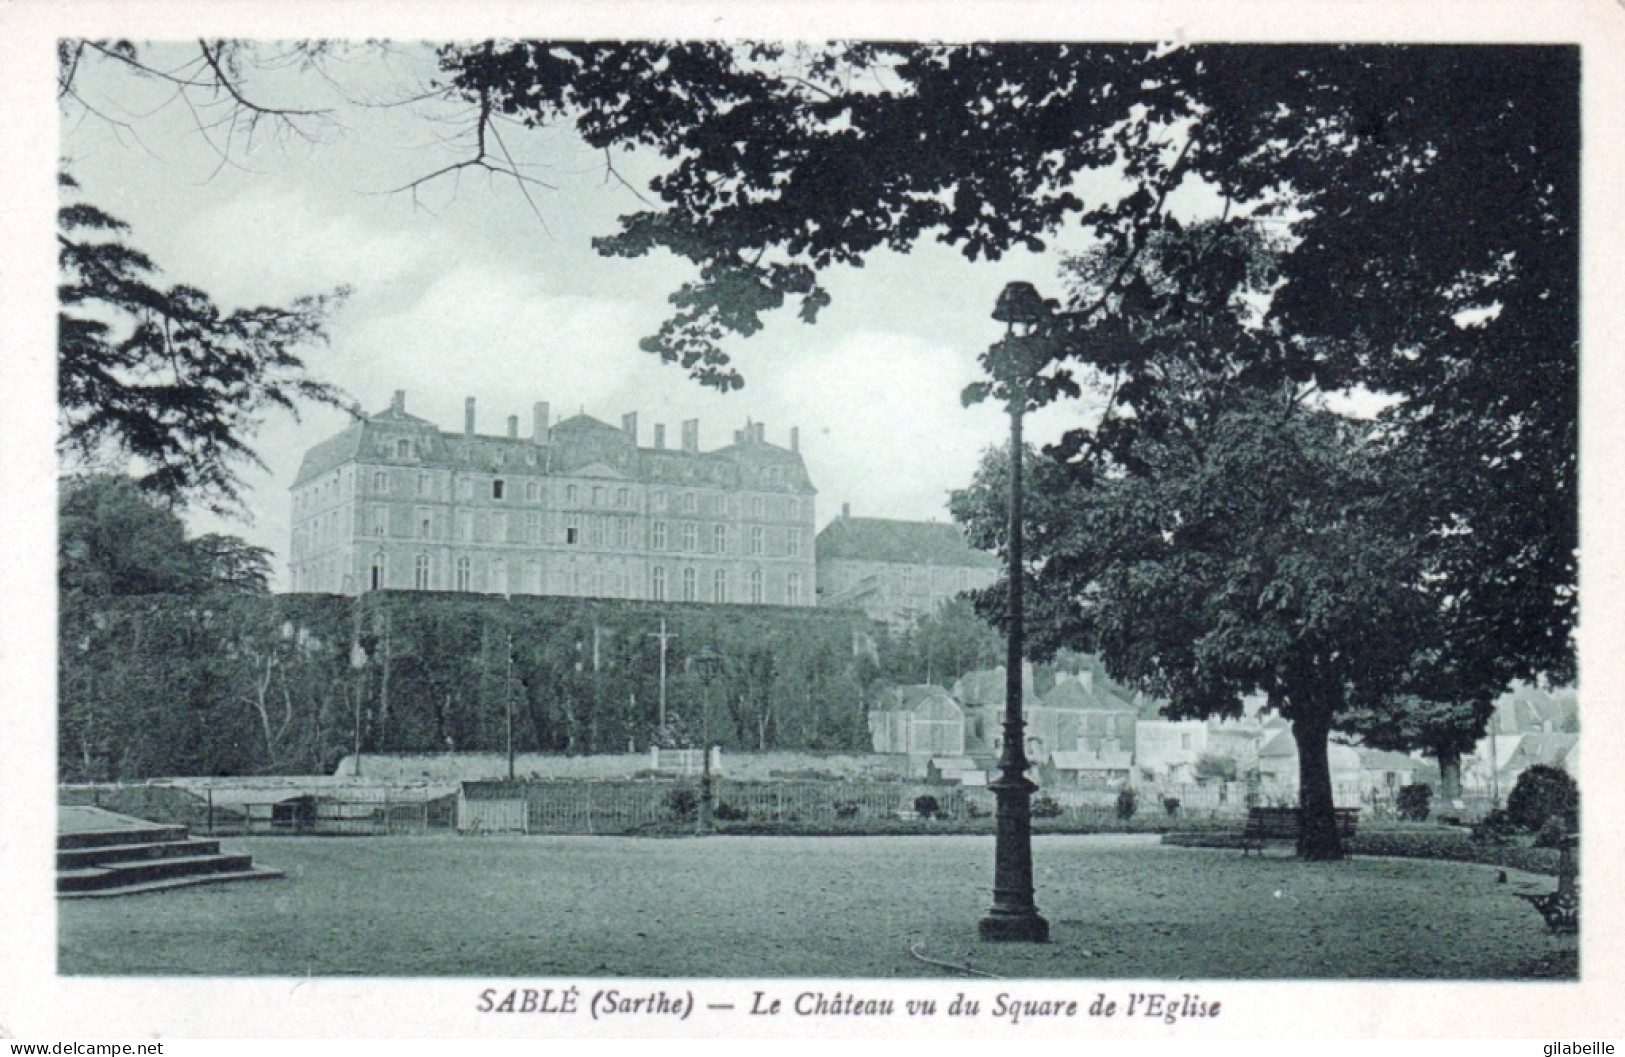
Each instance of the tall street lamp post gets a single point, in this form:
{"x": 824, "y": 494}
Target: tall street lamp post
{"x": 1014, "y": 916}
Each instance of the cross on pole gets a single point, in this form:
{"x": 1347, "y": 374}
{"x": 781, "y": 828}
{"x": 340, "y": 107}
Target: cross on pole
{"x": 664, "y": 638}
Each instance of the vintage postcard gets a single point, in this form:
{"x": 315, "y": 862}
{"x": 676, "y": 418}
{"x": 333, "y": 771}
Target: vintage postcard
{"x": 1001, "y": 522}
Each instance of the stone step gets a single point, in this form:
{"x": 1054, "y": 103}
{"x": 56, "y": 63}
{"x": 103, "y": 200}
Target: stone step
{"x": 78, "y": 858}
{"x": 101, "y": 838}
{"x": 257, "y": 873}
{"x": 116, "y": 875}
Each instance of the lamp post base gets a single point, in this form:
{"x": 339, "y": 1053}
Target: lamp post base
{"x": 1003, "y": 926}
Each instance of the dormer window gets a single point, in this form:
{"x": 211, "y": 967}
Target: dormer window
{"x": 403, "y": 449}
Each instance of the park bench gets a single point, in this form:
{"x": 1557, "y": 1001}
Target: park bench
{"x": 1561, "y": 908}
{"x": 1281, "y": 823}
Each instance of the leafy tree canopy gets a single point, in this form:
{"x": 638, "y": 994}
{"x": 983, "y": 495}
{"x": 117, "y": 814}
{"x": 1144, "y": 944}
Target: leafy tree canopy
{"x": 114, "y": 538}
{"x": 1423, "y": 202}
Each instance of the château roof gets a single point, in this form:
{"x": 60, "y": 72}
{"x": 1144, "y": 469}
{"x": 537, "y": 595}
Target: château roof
{"x": 330, "y": 454}
{"x": 578, "y": 445}
{"x": 905, "y": 542}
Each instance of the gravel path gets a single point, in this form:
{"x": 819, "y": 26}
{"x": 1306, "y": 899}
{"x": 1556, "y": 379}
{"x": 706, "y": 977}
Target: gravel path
{"x": 1119, "y": 907}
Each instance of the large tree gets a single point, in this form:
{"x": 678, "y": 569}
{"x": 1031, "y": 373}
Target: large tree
{"x": 161, "y": 378}
{"x": 114, "y": 538}
{"x": 1249, "y": 550}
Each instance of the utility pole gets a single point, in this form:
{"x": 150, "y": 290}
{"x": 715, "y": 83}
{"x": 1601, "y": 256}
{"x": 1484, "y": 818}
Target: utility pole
{"x": 664, "y": 638}
{"x": 507, "y": 701}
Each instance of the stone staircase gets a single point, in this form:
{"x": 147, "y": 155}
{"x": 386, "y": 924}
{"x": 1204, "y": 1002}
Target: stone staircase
{"x": 100, "y": 853}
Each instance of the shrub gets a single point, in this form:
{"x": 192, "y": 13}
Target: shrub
{"x": 1046, "y": 807}
{"x": 1551, "y": 833}
{"x": 1495, "y": 828}
{"x": 927, "y": 806}
{"x": 975, "y": 810}
{"x": 1543, "y": 792}
{"x": 1170, "y": 804}
{"x": 728, "y": 813}
{"x": 1221, "y": 767}
{"x": 1414, "y": 802}
{"x": 846, "y": 809}
{"x": 683, "y": 803}
{"x": 1127, "y": 803}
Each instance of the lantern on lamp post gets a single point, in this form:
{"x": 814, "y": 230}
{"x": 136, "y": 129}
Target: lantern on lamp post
{"x": 1013, "y": 362}
{"x": 709, "y": 663}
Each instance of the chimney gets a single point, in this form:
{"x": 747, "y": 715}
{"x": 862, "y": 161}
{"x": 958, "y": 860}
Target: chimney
{"x": 538, "y": 423}
{"x": 846, "y": 511}
{"x": 398, "y": 404}
{"x": 629, "y": 424}
{"x": 468, "y": 417}
{"x": 795, "y": 439}
{"x": 761, "y": 432}
{"x": 660, "y": 436}
{"x": 513, "y": 427}
{"x": 691, "y": 435}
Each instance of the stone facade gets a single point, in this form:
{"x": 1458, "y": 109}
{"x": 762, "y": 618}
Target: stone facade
{"x": 897, "y": 571}
{"x": 578, "y": 508}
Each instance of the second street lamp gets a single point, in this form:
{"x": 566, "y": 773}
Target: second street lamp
{"x": 1014, "y": 916}
{"x": 709, "y": 662}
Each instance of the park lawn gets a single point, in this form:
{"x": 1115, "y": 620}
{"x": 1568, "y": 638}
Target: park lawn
{"x": 853, "y": 907}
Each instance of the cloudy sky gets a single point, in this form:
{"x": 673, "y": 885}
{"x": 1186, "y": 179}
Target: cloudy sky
{"x": 466, "y": 289}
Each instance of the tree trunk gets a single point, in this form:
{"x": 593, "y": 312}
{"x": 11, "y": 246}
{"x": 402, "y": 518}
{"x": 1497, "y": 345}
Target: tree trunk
{"x": 1317, "y": 821}
{"x": 1449, "y": 774}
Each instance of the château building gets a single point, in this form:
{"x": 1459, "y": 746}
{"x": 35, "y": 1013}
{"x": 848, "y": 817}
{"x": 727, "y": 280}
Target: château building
{"x": 577, "y": 508}
{"x": 897, "y": 571}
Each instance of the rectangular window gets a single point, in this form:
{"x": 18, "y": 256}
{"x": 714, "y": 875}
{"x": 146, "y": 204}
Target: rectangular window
{"x": 792, "y": 590}
{"x": 423, "y": 484}
{"x": 596, "y": 527}
{"x": 571, "y": 493}
{"x": 403, "y": 449}
{"x": 597, "y": 496}
{"x": 572, "y": 529}
{"x": 533, "y": 532}
{"x": 659, "y": 536}
{"x": 496, "y": 489}
{"x": 691, "y": 502}
{"x": 623, "y": 532}
{"x": 756, "y": 507}
{"x": 380, "y": 521}
{"x": 719, "y": 586}
{"x": 465, "y": 526}
{"x": 499, "y": 528}
{"x": 793, "y": 543}
{"x": 756, "y": 540}
{"x": 657, "y": 584}
{"x": 719, "y": 539}
{"x": 690, "y": 535}
{"x": 530, "y": 494}
{"x": 623, "y": 497}
{"x": 380, "y": 482}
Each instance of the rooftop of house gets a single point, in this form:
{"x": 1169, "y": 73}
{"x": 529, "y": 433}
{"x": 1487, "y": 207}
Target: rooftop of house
{"x": 876, "y": 539}
{"x": 1074, "y": 695}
